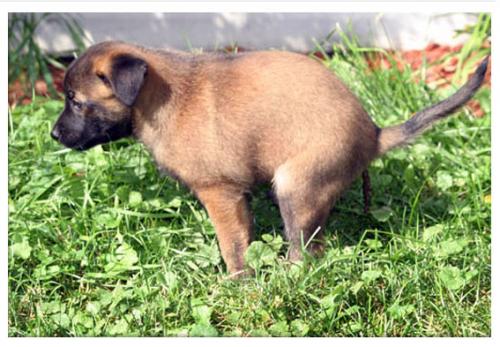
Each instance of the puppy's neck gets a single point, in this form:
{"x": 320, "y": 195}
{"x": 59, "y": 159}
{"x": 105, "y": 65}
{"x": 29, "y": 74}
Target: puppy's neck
{"x": 160, "y": 96}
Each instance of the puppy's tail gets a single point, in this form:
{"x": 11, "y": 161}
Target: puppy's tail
{"x": 401, "y": 134}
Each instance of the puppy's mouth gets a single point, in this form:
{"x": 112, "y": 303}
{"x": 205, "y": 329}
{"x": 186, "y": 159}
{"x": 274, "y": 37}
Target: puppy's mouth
{"x": 79, "y": 145}
{"x": 88, "y": 144}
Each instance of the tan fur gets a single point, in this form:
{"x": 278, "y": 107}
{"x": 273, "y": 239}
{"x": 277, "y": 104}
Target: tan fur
{"x": 223, "y": 123}
{"x": 389, "y": 138}
{"x": 229, "y": 213}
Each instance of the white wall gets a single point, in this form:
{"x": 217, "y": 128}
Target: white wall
{"x": 292, "y": 31}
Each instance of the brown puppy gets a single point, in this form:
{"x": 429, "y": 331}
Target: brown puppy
{"x": 223, "y": 123}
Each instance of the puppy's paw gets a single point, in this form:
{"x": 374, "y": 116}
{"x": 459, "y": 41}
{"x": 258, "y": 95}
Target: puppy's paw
{"x": 241, "y": 274}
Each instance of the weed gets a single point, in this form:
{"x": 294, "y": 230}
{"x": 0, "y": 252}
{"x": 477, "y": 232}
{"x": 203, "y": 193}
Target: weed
{"x": 26, "y": 59}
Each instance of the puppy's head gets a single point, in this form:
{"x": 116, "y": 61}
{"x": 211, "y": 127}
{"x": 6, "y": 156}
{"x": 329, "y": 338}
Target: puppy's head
{"x": 100, "y": 88}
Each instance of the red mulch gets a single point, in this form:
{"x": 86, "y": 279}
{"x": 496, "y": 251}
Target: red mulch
{"x": 20, "y": 94}
{"x": 439, "y": 72}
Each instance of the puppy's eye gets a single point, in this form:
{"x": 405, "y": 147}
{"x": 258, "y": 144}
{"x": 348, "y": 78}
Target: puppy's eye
{"x": 103, "y": 78}
{"x": 77, "y": 105}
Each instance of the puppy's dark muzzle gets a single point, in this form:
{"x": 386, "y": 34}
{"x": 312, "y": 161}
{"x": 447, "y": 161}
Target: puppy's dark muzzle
{"x": 55, "y": 134}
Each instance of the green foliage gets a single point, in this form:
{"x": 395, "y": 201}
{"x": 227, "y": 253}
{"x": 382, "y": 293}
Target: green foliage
{"x": 21, "y": 249}
{"x": 201, "y": 314}
{"x": 474, "y": 50}
{"x": 263, "y": 253}
{"x": 100, "y": 244}
{"x": 26, "y": 58}
{"x": 382, "y": 214}
{"x": 397, "y": 311}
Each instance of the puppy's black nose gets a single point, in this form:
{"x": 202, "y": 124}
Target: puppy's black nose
{"x": 55, "y": 133}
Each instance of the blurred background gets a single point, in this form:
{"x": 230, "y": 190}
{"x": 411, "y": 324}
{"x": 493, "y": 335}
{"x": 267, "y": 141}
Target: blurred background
{"x": 42, "y": 45}
{"x": 291, "y": 31}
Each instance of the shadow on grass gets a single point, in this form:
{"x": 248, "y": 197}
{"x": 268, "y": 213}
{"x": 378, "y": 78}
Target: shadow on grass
{"x": 347, "y": 222}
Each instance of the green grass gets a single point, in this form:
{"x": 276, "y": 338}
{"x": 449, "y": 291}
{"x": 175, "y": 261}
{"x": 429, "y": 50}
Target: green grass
{"x": 101, "y": 244}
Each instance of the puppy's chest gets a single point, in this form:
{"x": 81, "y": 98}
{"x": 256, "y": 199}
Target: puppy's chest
{"x": 179, "y": 161}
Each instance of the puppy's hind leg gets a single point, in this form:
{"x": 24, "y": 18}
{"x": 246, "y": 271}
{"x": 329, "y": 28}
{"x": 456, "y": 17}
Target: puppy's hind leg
{"x": 305, "y": 201}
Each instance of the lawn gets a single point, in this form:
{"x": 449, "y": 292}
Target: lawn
{"x": 101, "y": 244}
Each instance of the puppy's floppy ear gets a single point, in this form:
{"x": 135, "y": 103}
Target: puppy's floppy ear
{"x": 127, "y": 77}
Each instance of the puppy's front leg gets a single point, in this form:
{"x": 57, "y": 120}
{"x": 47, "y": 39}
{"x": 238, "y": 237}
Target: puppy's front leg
{"x": 228, "y": 210}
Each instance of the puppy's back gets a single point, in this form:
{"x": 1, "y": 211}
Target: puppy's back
{"x": 292, "y": 102}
